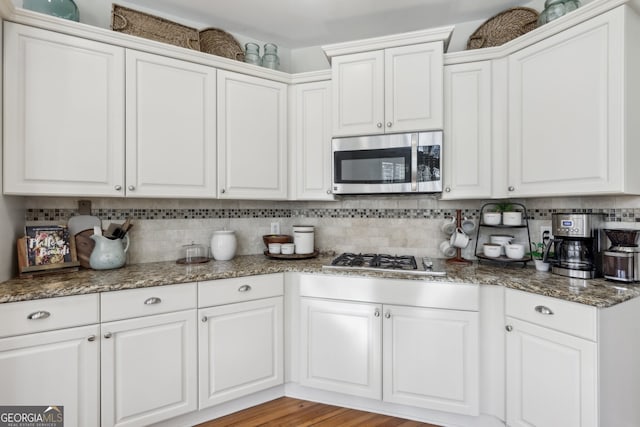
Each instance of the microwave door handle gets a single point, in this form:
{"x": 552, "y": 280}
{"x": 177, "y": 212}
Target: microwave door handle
{"x": 414, "y": 162}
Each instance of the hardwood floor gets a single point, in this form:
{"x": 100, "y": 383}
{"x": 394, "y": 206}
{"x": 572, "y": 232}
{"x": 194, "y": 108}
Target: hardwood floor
{"x": 291, "y": 412}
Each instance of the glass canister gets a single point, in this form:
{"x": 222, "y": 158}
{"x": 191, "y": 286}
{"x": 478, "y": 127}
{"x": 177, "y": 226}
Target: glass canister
{"x": 66, "y": 9}
{"x": 252, "y": 53}
{"x": 223, "y": 245}
{"x": 270, "y": 58}
{"x": 554, "y": 9}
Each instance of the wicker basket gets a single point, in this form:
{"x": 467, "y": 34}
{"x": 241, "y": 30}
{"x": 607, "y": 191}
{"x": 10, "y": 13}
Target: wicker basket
{"x": 151, "y": 27}
{"x": 221, "y": 43}
{"x": 504, "y": 27}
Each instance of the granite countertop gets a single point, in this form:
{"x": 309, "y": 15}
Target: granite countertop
{"x": 595, "y": 292}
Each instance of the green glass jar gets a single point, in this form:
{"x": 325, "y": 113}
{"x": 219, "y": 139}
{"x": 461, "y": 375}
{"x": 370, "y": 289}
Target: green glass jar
{"x": 554, "y": 9}
{"x": 66, "y": 9}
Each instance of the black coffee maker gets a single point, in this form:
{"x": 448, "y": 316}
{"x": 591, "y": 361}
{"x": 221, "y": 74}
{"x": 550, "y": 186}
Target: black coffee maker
{"x": 576, "y": 245}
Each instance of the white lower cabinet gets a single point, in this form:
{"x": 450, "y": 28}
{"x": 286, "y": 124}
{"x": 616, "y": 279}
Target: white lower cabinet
{"x": 417, "y": 356}
{"x": 148, "y": 363}
{"x": 241, "y": 333}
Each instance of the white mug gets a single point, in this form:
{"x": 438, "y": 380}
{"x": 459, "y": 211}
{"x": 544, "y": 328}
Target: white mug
{"x": 468, "y": 225}
{"x": 448, "y": 226}
{"x": 447, "y": 249}
{"x": 459, "y": 238}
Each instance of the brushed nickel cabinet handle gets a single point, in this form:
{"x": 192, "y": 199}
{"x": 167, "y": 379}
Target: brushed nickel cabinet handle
{"x": 152, "y": 300}
{"x": 544, "y": 310}
{"x": 387, "y": 315}
{"x": 91, "y": 338}
{"x": 41, "y": 314}
{"x": 511, "y": 188}
{"x": 118, "y": 187}
{"x": 389, "y": 124}
{"x": 244, "y": 288}
{"x": 376, "y": 313}
{"x": 379, "y": 125}
{"x": 204, "y": 319}
{"x": 509, "y": 328}
{"x": 108, "y": 335}
{"x": 131, "y": 188}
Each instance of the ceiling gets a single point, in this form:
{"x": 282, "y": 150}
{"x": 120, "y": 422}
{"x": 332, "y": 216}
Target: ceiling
{"x": 303, "y": 23}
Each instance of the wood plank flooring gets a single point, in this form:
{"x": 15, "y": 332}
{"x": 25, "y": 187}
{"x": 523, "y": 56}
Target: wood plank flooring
{"x": 290, "y": 412}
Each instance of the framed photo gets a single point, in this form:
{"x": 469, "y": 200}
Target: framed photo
{"x": 46, "y": 248}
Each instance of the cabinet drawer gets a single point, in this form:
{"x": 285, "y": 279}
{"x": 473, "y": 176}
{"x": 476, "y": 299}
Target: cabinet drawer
{"x": 225, "y": 291}
{"x": 564, "y": 316}
{"x": 147, "y": 301}
{"x": 27, "y": 317}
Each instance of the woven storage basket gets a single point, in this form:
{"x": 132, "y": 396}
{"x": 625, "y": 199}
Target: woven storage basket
{"x": 504, "y": 27}
{"x": 151, "y": 27}
{"x": 221, "y": 43}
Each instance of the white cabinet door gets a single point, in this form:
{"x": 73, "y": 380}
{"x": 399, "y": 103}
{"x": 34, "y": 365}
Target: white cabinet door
{"x": 252, "y": 137}
{"x": 149, "y": 369}
{"x": 467, "y": 129}
{"x": 413, "y": 87}
{"x": 551, "y": 378}
{"x": 310, "y": 141}
{"x": 171, "y": 133}
{"x": 56, "y": 368}
{"x": 431, "y": 358}
{"x": 241, "y": 349}
{"x": 566, "y": 97}
{"x": 63, "y": 114}
{"x": 358, "y": 93}
{"x": 341, "y": 347}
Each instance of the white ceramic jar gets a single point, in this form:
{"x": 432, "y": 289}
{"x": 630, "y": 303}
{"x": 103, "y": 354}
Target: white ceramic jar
{"x": 303, "y": 238}
{"x": 223, "y": 245}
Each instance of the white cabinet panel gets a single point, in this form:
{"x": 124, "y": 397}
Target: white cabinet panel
{"x": 252, "y": 137}
{"x": 467, "y": 128}
{"x": 431, "y": 358}
{"x": 149, "y": 369}
{"x": 54, "y": 368}
{"x": 171, "y": 133}
{"x": 64, "y": 120}
{"x": 341, "y": 347}
{"x": 551, "y": 378}
{"x": 310, "y": 141}
{"x": 241, "y": 349}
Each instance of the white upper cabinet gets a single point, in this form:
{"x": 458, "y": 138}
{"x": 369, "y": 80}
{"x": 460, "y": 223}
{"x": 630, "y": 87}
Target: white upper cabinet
{"x": 63, "y": 114}
{"x": 310, "y": 141}
{"x": 467, "y": 131}
{"x": 572, "y": 105}
{"x": 170, "y": 128}
{"x": 391, "y": 90}
{"x": 252, "y": 137}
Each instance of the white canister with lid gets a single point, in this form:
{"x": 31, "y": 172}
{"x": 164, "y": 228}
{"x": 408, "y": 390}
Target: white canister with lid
{"x": 223, "y": 245}
{"x": 303, "y": 238}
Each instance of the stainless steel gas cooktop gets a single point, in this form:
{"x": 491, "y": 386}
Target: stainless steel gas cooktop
{"x": 405, "y": 264}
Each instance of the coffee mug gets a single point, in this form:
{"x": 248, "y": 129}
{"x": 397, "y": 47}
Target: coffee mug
{"x": 447, "y": 249}
{"x": 448, "y": 226}
{"x": 459, "y": 238}
{"x": 468, "y": 225}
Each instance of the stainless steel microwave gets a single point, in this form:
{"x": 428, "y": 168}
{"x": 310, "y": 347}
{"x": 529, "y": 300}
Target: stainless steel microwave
{"x": 390, "y": 163}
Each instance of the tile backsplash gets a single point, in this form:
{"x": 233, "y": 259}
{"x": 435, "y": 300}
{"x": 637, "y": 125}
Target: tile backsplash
{"x": 395, "y": 225}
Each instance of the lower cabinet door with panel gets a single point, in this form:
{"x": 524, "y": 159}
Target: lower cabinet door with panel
{"x": 431, "y": 358}
{"x": 341, "y": 347}
{"x": 241, "y": 349}
{"x": 56, "y": 368}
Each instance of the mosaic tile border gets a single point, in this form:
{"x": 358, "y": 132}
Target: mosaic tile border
{"x": 611, "y": 215}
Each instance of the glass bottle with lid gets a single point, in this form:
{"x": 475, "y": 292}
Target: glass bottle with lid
{"x": 554, "y": 9}
{"x": 252, "y": 53}
{"x": 270, "y": 58}
{"x": 66, "y": 9}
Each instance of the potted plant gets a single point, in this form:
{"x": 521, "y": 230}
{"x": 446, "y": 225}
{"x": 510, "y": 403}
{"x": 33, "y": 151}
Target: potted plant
{"x": 538, "y": 254}
{"x": 510, "y": 216}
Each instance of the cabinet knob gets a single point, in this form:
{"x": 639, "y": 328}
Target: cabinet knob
{"x": 131, "y": 188}
{"x": 511, "y": 188}
{"x": 389, "y": 124}
{"x": 204, "y": 319}
{"x": 107, "y": 335}
{"x": 447, "y": 190}
{"x": 376, "y": 313}
{"x": 329, "y": 191}
{"x": 41, "y": 314}
{"x": 152, "y": 300}
{"x": 387, "y": 315}
{"x": 244, "y": 288}
{"x": 379, "y": 125}
{"x": 509, "y": 328}
{"x": 223, "y": 191}
{"x": 91, "y": 338}
{"x": 118, "y": 187}
{"x": 544, "y": 310}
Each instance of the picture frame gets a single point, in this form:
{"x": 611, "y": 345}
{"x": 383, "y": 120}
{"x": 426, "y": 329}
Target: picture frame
{"x": 46, "y": 248}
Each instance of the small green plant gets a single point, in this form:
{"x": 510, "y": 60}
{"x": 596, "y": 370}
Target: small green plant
{"x": 504, "y": 207}
{"x": 538, "y": 250}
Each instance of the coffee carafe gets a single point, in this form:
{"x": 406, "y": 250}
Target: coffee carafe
{"x": 575, "y": 246}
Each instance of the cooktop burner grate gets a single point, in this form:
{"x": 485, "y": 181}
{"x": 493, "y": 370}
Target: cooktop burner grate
{"x": 391, "y": 262}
